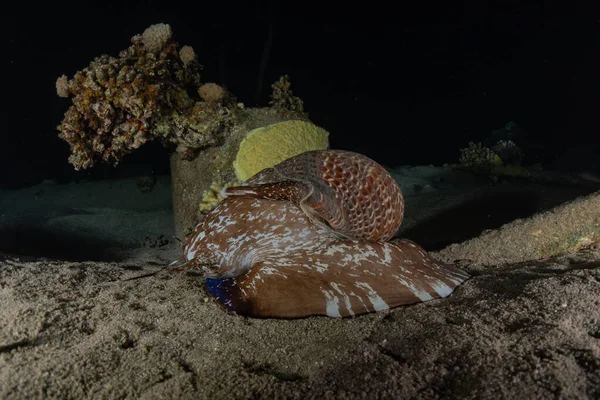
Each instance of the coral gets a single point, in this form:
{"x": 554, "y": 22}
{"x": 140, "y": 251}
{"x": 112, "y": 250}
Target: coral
{"x": 156, "y": 37}
{"x": 266, "y": 146}
{"x": 198, "y": 127}
{"x": 508, "y": 151}
{"x": 147, "y": 93}
{"x": 211, "y": 92}
{"x": 478, "y": 157}
{"x": 503, "y": 158}
{"x": 187, "y": 55}
{"x": 62, "y": 86}
{"x": 282, "y": 97}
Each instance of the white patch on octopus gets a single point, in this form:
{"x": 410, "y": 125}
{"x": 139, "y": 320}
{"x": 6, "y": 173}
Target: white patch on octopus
{"x": 272, "y": 271}
{"x": 321, "y": 266}
{"x": 238, "y": 239}
{"x": 304, "y": 233}
{"x": 367, "y": 272}
{"x": 363, "y": 255}
{"x": 420, "y": 293}
{"x": 345, "y": 296}
{"x": 360, "y": 299}
{"x": 378, "y": 303}
{"x": 457, "y": 281}
{"x": 441, "y": 288}
{"x": 339, "y": 248}
{"x": 191, "y": 253}
{"x": 387, "y": 253}
{"x": 332, "y": 304}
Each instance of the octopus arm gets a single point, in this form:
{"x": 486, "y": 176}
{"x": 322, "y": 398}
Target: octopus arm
{"x": 290, "y": 286}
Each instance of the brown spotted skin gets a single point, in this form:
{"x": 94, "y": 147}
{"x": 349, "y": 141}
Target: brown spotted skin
{"x": 241, "y": 231}
{"x": 346, "y": 191}
{"x": 265, "y": 258}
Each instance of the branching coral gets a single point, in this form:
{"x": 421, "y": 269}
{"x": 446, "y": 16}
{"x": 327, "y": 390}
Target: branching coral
{"x": 508, "y": 151}
{"x": 282, "y": 97}
{"x": 148, "y": 92}
{"x": 503, "y": 158}
{"x": 478, "y": 157}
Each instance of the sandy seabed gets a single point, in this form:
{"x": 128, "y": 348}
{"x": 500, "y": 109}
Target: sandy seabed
{"x": 79, "y": 329}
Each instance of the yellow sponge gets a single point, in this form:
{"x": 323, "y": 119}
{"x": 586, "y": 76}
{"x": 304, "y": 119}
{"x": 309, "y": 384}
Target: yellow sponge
{"x": 269, "y": 145}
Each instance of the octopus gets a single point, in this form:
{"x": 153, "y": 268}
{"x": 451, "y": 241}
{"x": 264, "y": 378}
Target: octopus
{"x": 314, "y": 235}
